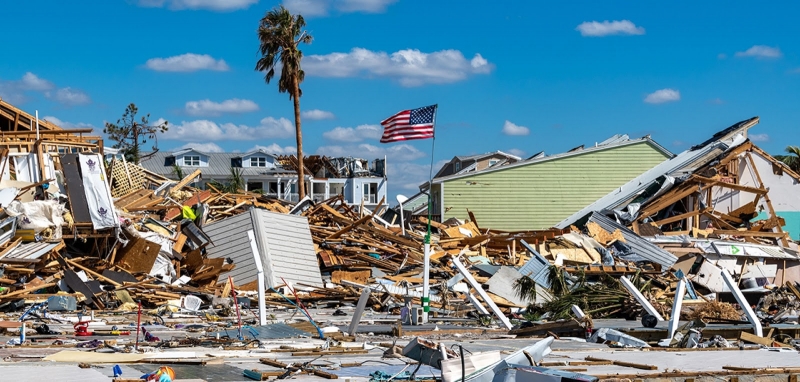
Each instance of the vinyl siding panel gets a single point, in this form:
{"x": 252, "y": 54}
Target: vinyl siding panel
{"x": 539, "y": 195}
{"x": 230, "y": 240}
{"x": 287, "y": 249}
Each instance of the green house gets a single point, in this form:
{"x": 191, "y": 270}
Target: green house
{"x": 539, "y": 192}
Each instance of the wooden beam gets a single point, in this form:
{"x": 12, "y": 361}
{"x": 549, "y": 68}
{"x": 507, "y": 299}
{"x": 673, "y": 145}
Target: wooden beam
{"x": 678, "y": 217}
{"x": 623, "y": 363}
{"x": 732, "y": 186}
{"x": 186, "y": 180}
{"x": 784, "y": 241}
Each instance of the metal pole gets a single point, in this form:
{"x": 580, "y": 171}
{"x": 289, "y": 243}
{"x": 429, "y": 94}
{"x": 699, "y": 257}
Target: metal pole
{"x": 138, "y": 326}
{"x": 402, "y": 223}
{"x": 426, "y": 279}
{"x": 238, "y": 315}
{"x": 426, "y": 270}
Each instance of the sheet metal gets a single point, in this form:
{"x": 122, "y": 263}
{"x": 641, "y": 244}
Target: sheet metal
{"x": 536, "y": 268}
{"x": 266, "y": 332}
{"x": 640, "y": 246}
{"x": 29, "y": 251}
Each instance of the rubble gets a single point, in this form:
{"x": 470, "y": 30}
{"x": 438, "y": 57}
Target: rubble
{"x": 101, "y": 253}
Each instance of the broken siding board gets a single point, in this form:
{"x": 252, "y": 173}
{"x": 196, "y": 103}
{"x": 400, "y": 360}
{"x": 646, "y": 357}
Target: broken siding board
{"x": 230, "y": 240}
{"x": 287, "y": 249}
{"x": 539, "y": 195}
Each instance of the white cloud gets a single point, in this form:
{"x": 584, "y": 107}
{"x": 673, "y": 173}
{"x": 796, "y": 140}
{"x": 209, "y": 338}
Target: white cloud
{"x": 311, "y": 8}
{"x": 212, "y": 5}
{"x": 16, "y": 91}
{"x": 761, "y": 51}
{"x": 276, "y": 149}
{"x": 208, "y": 107}
{"x": 716, "y": 101}
{"x": 759, "y": 137}
{"x": 31, "y": 81}
{"x": 67, "y": 125}
{"x": 607, "y": 28}
{"x": 517, "y": 152}
{"x": 722, "y": 56}
{"x": 357, "y": 134}
{"x": 188, "y": 62}
{"x": 205, "y": 130}
{"x": 663, "y": 95}
{"x": 399, "y": 153}
{"x": 509, "y": 128}
{"x": 317, "y": 115}
{"x": 69, "y": 96}
{"x": 208, "y": 147}
{"x": 795, "y": 71}
{"x": 407, "y": 176}
{"x": 409, "y": 67}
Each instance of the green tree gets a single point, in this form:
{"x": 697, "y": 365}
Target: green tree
{"x": 792, "y": 159}
{"x": 280, "y": 34}
{"x": 233, "y": 184}
{"x": 130, "y": 135}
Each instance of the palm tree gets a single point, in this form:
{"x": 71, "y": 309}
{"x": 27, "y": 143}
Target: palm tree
{"x": 280, "y": 34}
{"x": 792, "y": 159}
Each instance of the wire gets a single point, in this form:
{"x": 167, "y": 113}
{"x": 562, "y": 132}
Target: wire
{"x": 319, "y": 331}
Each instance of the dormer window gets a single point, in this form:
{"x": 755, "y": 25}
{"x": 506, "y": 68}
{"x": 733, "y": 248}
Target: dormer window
{"x": 191, "y": 160}
{"x": 493, "y": 162}
{"x": 258, "y": 162}
{"x": 458, "y": 166}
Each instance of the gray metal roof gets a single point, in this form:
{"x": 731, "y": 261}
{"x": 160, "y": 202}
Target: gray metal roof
{"x": 639, "y": 245}
{"x": 219, "y": 166}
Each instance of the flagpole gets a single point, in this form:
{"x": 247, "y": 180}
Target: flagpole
{"x": 426, "y": 270}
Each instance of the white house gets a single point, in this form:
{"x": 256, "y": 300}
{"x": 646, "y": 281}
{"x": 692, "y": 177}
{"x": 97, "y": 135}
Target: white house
{"x": 356, "y": 179}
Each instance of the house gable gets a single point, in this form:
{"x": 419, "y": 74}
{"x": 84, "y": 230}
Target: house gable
{"x": 190, "y": 158}
{"x": 539, "y": 194}
{"x": 258, "y": 159}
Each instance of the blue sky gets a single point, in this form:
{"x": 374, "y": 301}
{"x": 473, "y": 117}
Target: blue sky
{"x": 518, "y": 76}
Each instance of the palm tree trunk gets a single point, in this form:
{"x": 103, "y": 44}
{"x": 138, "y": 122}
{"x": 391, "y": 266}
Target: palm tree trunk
{"x": 301, "y": 183}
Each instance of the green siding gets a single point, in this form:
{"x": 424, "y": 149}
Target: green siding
{"x": 539, "y": 195}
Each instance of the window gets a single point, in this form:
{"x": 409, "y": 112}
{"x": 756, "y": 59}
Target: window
{"x": 255, "y": 186}
{"x": 370, "y": 193}
{"x": 275, "y": 188}
{"x": 258, "y": 162}
{"x": 191, "y": 160}
{"x": 458, "y": 166}
{"x": 493, "y": 162}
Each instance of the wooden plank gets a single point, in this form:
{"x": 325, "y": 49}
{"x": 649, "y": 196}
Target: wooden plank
{"x": 199, "y": 197}
{"x": 624, "y": 363}
{"x": 74, "y": 183}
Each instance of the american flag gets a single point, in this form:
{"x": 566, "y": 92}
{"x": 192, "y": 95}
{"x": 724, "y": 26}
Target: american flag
{"x": 409, "y": 124}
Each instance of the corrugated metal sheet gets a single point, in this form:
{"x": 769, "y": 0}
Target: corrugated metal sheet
{"x": 536, "y": 268}
{"x": 29, "y": 251}
{"x": 537, "y": 194}
{"x": 266, "y": 332}
{"x": 61, "y": 373}
{"x": 286, "y": 247}
{"x": 639, "y": 245}
{"x": 230, "y": 240}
